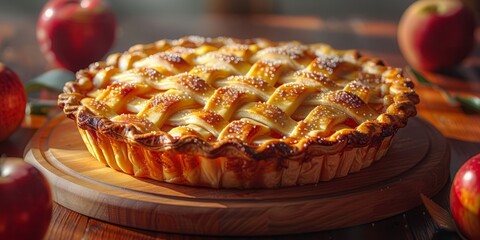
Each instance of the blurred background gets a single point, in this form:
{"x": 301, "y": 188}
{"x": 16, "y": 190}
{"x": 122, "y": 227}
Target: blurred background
{"x": 372, "y": 9}
{"x": 143, "y": 21}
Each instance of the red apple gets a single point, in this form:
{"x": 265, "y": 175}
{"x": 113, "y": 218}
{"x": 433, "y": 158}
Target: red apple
{"x": 25, "y": 202}
{"x": 74, "y": 33}
{"x": 465, "y": 198}
{"x": 436, "y": 34}
{"x": 13, "y": 101}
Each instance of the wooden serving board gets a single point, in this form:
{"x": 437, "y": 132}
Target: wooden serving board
{"x": 418, "y": 162}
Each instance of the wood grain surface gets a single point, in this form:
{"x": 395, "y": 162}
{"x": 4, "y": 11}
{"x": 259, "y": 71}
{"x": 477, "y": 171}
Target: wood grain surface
{"x": 418, "y": 162}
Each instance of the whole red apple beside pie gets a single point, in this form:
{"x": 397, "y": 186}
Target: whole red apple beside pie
{"x": 74, "y": 33}
{"x": 25, "y": 202}
{"x": 436, "y": 34}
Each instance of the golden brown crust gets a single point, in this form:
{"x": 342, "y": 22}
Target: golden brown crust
{"x": 259, "y": 101}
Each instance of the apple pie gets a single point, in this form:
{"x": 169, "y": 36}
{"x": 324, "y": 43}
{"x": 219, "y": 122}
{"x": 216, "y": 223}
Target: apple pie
{"x": 238, "y": 113}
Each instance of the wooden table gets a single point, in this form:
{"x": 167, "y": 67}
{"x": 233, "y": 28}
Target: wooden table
{"x": 18, "y": 49}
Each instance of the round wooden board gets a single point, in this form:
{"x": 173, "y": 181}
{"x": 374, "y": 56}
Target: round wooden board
{"x": 418, "y": 162}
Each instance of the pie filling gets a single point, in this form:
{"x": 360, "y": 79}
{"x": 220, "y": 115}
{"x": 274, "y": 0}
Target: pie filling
{"x": 190, "y": 110}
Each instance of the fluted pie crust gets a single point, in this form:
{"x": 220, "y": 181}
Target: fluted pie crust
{"x": 238, "y": 113}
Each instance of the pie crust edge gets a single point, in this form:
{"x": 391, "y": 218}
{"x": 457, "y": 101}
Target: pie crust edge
{"x": 232, "y": 164}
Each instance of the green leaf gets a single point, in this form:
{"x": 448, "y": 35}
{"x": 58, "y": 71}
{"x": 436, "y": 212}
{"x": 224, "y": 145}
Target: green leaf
{"x": 53, "y": 80}
{"x": 423, "y": 80}
{"x": 472, "y": 103}
{"x": 40, "y": 107}
{"x": 420, "y": 78}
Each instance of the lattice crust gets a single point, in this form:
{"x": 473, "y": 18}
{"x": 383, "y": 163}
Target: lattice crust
{"x": 238, "y": 101}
